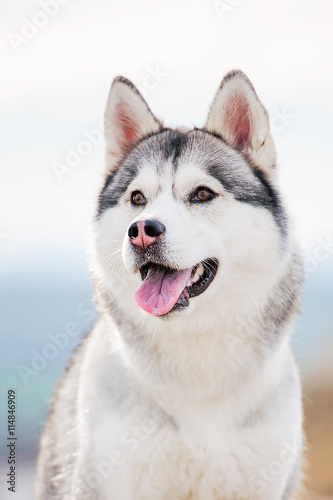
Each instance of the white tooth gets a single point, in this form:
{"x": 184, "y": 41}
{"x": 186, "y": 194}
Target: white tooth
{"x": 200, "y": 270}
{"x": 195, "y": 278}
{"x": 189, "y": 282}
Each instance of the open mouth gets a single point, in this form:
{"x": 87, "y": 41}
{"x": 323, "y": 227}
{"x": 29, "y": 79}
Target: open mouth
{"x": 164, "y": 289}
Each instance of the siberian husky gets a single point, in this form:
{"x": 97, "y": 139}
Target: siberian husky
{"x": 186, "y": 388}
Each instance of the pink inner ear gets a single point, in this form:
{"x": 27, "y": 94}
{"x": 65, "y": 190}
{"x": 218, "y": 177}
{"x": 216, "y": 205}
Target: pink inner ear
{"x": 129, "y": 129}
{"x": 129, "y": 133}
{"x": 238, "y": 121}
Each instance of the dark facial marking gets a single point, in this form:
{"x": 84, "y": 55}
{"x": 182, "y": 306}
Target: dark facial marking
{"x": 157, "y": 147}
{"x": 167, "y": 143}
{"x": 175, "y": 144}
{"x": 261, "y": 194}
{"x": 271, "y": 200}
{"x": 115, "y": 186}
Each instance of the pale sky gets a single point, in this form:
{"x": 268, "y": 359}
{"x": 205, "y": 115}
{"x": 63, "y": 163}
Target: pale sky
{"x": 58, "y": 63}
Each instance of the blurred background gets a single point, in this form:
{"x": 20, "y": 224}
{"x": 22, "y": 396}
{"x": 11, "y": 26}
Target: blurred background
{"x": 59, "y": 58}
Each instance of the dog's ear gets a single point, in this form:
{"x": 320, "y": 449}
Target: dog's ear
{"x": 239, "y": 117}
{"x": 127, "y": 119}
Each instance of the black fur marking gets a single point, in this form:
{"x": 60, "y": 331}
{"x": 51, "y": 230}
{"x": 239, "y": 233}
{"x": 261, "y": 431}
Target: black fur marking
{"x": 271, "y": 200}
{"x": 172, "y": 143}
{"x": 263, "y": 195}
{"x": 115, "y": 186}
{"x": 175, "y": 145}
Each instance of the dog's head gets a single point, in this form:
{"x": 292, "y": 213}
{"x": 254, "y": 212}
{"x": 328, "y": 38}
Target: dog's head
{"x": 189, "y": 219}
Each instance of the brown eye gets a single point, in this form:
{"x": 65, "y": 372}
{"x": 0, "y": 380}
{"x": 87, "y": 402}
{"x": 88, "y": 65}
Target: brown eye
{"x": 137, "y": 198}
{"x": 202, "y": 194}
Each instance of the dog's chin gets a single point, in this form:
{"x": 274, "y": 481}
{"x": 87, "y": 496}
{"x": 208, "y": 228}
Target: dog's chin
{"x": 200, "y": 278}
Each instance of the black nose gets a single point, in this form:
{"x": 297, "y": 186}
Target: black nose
{"x": 133, "y": 230}
{"x": 154, "y": 228}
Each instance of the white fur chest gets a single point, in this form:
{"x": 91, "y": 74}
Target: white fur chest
{"x": 215, "y": 449}
{"x": 198, "y": 455}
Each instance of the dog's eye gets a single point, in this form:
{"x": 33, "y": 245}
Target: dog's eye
{"x": 137, "y": 198}
{"x": 202, "y": 194}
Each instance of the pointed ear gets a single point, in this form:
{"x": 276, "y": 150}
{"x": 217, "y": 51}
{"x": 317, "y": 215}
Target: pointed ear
{"x": 127, "y": 119}
{"x": 239, "y": 117}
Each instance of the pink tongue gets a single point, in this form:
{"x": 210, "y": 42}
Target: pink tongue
{"x": 161, "y": 289}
